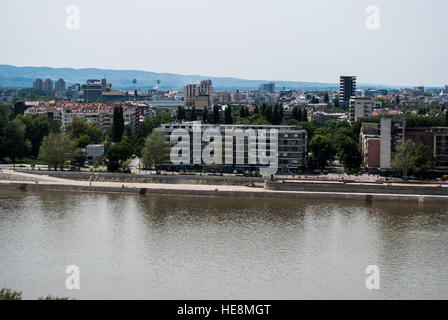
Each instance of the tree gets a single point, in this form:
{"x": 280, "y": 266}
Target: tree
{"x": 299, "y": 115}
{"x": 275, "y": 116}
{"x": 155, "y": 151}
{"x": 56, "y": 148}
{"x": 216, "y": 114}
{"x": 193, "y": 116}
{"x": 256, "y": 119}
{"x": 314, "y": 100}
{"x": 79, "y": 157}
{"x": 82, "y": 141}
{"x": 336, "y": 103}
{"x": 403, "y": 158}
{"x": 243, "y": 112}
{"x": 268, "y": 113}
{"x": 228, "y": 119}
{"x": 204, "y": 115}
{"x": 118, "y": 152}
{"x": 149, "y": 124}
{"x": 14, "y": 143}
{"x": 117, "y": 124}
{"x": 37, "y": 127}
{"x": 424, "y": 159}
{"x": 79, "y": 127}
{"x": 256, "y": 109}
{"x": 304, "y": 115}
{"x": 280, "y": 113}
{"x": 181, "y": 115}
{"x": 322, "y": 150}
{"x": 326, "y": 98}
{"x": 348, "y": 151}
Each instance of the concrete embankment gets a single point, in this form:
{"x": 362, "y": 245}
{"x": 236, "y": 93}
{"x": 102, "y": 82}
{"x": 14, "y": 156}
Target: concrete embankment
{"x": 368, "y": 188}
{"x": 214, "y": 191}
{"x": 150, "y": 178}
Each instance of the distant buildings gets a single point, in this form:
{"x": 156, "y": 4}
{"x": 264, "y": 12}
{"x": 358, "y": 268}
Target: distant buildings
{"x": 93, "y": 91}
{"x": 48, "y": 86}
{"x": 267, "y": 87}
{"x": 347, "y": 89}
{"x": 38, "y": 85}
{"x": 200, "y": 96}
{"x": 59, "y": 85}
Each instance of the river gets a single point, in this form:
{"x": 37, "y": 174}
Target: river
{"x": 172, "y": 247}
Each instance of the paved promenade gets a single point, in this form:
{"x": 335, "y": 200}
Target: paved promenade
{"x": 30, "y": 182}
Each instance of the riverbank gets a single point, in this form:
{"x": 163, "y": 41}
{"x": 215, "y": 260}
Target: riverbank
{"x": 211, "y": 191}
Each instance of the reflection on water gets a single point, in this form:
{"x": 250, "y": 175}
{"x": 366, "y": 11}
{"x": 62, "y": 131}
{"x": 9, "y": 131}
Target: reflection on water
{"x": 163, "y": 247}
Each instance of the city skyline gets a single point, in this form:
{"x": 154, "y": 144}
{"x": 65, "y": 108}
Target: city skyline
{"x": 292, "y": 41}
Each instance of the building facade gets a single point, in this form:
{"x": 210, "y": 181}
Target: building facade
{"x": 360, "y": 107}
{"x": 292, "y": 146}
{"x": 347, "y": 89}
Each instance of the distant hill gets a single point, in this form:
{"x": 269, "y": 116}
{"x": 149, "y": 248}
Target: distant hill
{"x": 23, "y": 77}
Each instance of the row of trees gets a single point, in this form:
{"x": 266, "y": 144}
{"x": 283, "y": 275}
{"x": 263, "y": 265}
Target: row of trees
{"x": 22, "y": 136}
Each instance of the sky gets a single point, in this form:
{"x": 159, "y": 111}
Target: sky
{"x": 400, "y": 42}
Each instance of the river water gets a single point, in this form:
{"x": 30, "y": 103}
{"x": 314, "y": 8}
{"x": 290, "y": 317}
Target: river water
{"x": 172, "y": 247}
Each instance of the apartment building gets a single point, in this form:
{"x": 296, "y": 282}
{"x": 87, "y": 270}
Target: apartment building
{"x": 360, "y": 107}
{"x": 292, "y": 145}
{"x": 347, "y": 89}
{"x": 199, "y": 95}
{"x": 101, "y": 114}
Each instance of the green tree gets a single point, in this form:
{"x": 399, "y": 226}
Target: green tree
{"x": 193, "y": 115}
{"x": 424, "y": 159}
{"x": 256, "y": 119}
{"x": 117, "y": 124}
{"x": 228, "y": 119}
{"x": 155, "y": 151}
{"x": 76, "y": 128}
{"x": 256, "y": 109}
{"x": 322, "y": 150}
{"x": 56, "y": 148}
{"x": 326, "y": 98}
{"x": 304, "y": 115}
{"x": 276, "y": 116}
{"x": 14, "y": 143}
{"x": 336, "y": 103}
{"x": 79, "y": 127}
{"x": 216, "y": 117}
{"x": 117, "y": 153}
{"x": 348, "y": 151}
{"x": 82, "y": 141}
{"x": 403, "y": 158}
{"x": 37, "y": 127}
{"x": 150, "y": 124}
{"x": 204, "y": 115}
{"x": 79, "y": 157}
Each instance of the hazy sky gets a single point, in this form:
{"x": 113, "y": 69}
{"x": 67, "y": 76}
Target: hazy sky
{"x": 303, "y": 40}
